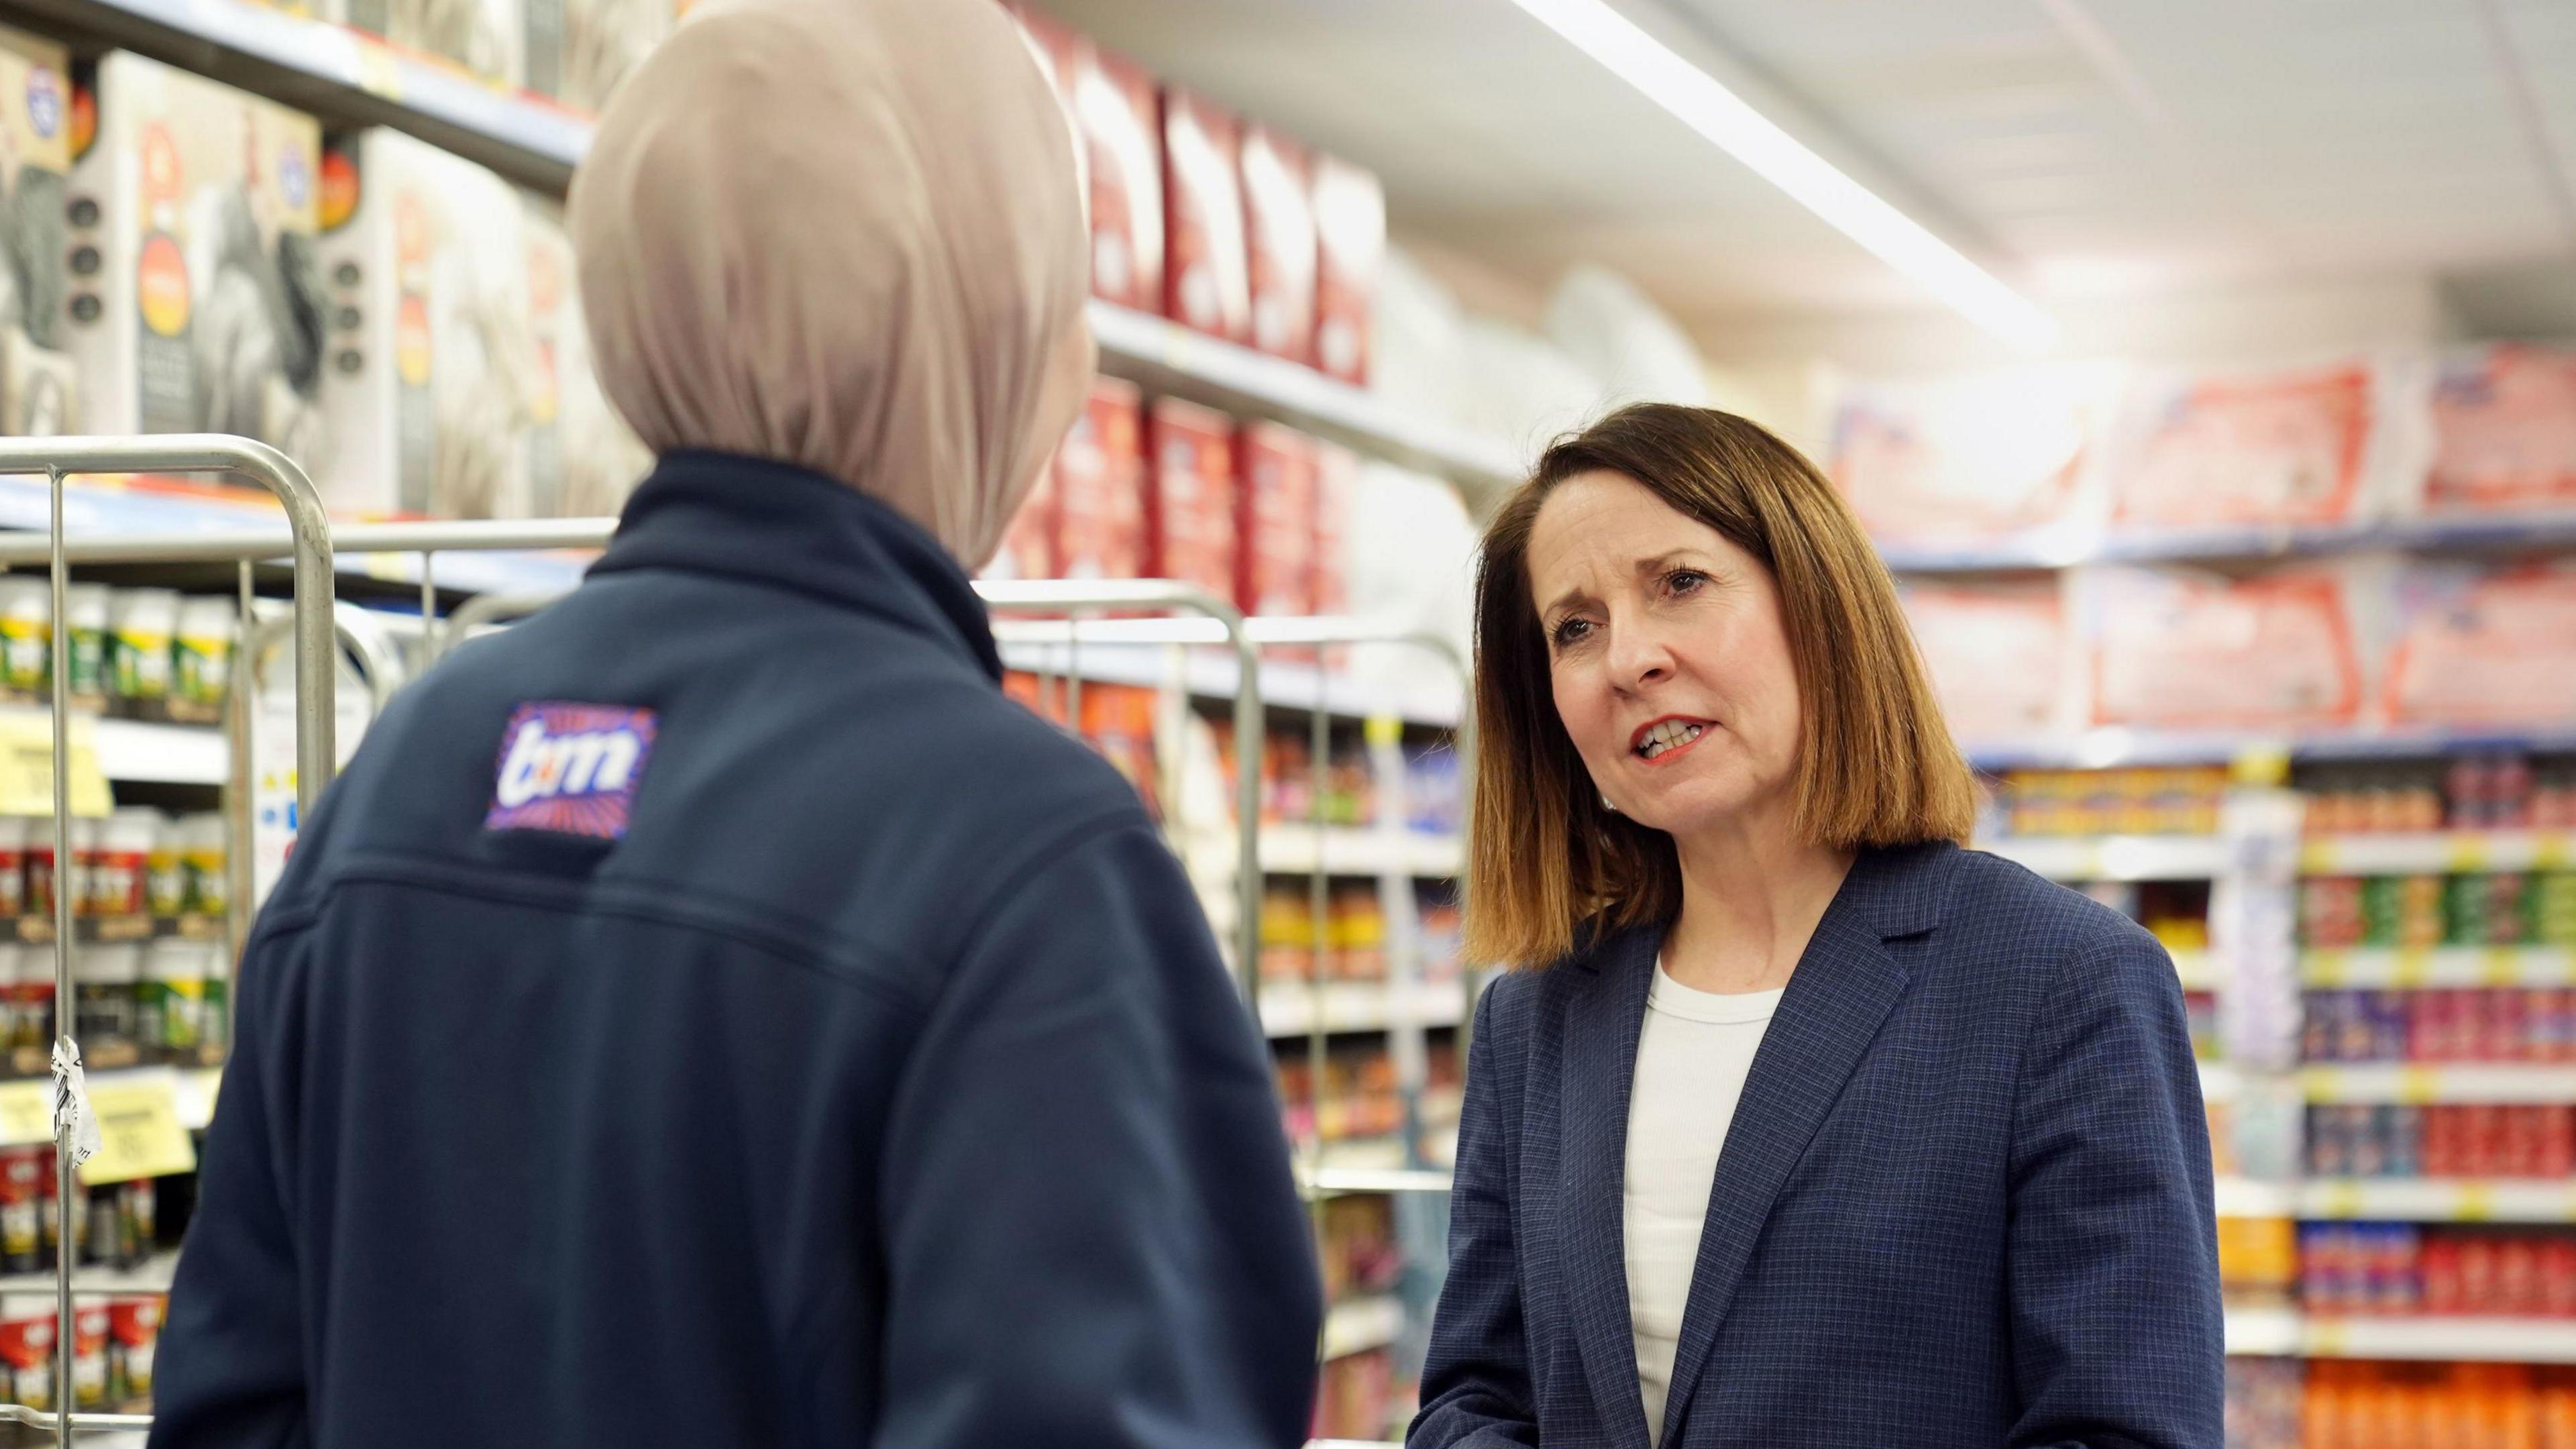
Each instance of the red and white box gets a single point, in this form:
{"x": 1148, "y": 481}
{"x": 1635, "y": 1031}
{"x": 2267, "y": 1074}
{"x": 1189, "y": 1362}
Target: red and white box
{"x": 1274, "y": 521}
{"x": 2290, "y": 448}
{"x": 1337, "y": 481}
{"x": 1999, "y": 654}
{"x": 1190, "y": 501}
{"x": 2179, "y": 649}
{"x": 1279, "y": 239}
{"x": 1350, "y": 252}
{"x": 2477, "y": 645}
{"x": 1028, "y": 548}
{"x": 1100, "y": 492}
{"x": 1206, "y": 282}
{"x": 2504, "y": 432}
{"x": 1116, "y": 120}
{"x": 1975, "y": 458}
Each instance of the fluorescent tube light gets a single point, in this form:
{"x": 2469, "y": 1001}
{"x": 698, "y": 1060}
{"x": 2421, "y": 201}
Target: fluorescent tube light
{"x": 1701, "y": 103}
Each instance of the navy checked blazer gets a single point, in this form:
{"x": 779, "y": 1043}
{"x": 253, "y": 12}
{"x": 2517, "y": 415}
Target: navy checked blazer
{"x": 1965, "y": 1200}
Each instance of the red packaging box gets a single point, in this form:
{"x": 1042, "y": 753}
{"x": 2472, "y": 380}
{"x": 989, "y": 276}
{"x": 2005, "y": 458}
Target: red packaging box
{"x": 2441, "y": 1143}
{"x": 2557, "y": 1142}
{"x": 1350, "y": 250}
{"x": 2287, "y": 448}
{"x": 89, "y": 1353}
{"x": 26, "y": 1335}
{"x": 1205, "y": 285}
{"x": 2558, "y": 1278}
{"x": 1337, "y": 481}
{"x": 1190, "y": 504}
{"x": 2485, "y": 1147}
{"x": 2518, "y": 1288}
{"x": 1279, "y": 242}
{"x": 1100, "y": 494}
{"x": 1275, "y": 521}
{"x": 1028, "y": 547}
{"x": 1117, "y": 124}
{"x": 2504, "y": 425}
{"x": 2481, "y": 1285}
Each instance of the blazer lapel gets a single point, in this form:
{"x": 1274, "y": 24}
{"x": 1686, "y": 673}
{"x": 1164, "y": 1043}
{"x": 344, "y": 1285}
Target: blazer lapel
{"x": 1602, "y": 1024}
{"x": 1845, "y": 985}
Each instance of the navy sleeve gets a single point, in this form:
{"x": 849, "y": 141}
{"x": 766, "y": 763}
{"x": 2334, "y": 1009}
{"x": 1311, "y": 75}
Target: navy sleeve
{"x": 231, "y": 1371}
{"x": 1475, "y": 1380}
{"x": 2117, "y": 1327}
{"x": 1093, "y": 1240}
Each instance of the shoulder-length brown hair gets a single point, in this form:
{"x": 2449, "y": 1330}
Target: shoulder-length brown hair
{"x": 1876, "y": 766}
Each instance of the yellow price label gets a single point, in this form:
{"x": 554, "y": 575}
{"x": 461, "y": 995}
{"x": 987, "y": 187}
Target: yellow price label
{"x": 1382, "y": 729}
{"x": 26, "y": 1112}
{"x": 2329, "y": 1338}
{"x": 389, "y": 567}
{"x": 140, "y": 1134}
{"x": 2317, "y": 857}
{"x": 2477, "y": 1202}
{"x": 2468, "y": 853}
{"x": 27, "y": 765}
{"x": 2329, "y": 969}
{"x": 2500, "y": 966}
{"x": 2419, "y": 1086}
{"x": 2551, "y": 852}
{"x": 2412, "y": 968}
{"x": 2339, "y": 1200}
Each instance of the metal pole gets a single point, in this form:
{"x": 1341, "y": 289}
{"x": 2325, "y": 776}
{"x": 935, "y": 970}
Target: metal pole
{"x": 66, "y": 1049}
{"x": 428, "y": 605}
{"x": 239, "y": 876}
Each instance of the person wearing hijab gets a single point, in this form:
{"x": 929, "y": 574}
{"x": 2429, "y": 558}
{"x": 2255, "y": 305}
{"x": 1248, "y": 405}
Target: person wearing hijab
{"x": 710, "y": 1014}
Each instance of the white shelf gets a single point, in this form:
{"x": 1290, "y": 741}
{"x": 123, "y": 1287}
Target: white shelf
{"x": 1359, "y": 851}
{"x": 2116, "y": 745}
{"x": 1356, "y": 1325}
{"x": 2264, "y": 1332}
{"x": 2116, "y": 857}
{"x": 1365, "y": 1154}
{"x": 2198, "y": 970}
{"x": 1288, "y": 1008}
{"x": 2219, "y": 1082}
{"x": 2438, "y": 852}
{"x": 2507, "y": 1085}
{"x": 2436, "y": 1200}
{"x": 1163, "y": 356}
{"x": 2063, "y": 548}
{"x": 153, "y": 1275}
{"x": 2243, "y": 1197}
{"x": 1210, "y": 672}
{"x": 166, "y": 754}
{"x": 2465, "y": 1340}
{"x": 2379, "y": 967}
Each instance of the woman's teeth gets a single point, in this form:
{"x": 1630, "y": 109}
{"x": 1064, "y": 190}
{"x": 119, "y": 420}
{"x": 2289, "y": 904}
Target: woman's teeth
{"x": 1668, "y": 735}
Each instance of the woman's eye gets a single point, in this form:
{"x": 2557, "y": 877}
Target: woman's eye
{"x": 1570, "y": 631}
{"x": 1684, "y": 581}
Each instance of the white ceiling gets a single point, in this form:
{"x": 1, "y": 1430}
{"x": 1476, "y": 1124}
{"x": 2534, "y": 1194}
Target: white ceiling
{"x": 2083, "y": 148}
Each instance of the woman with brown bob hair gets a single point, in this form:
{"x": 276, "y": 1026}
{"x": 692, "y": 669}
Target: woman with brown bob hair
{"x": 1795, "y": 1123}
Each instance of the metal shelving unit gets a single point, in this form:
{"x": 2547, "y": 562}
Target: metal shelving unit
{"x": 2070, "y": 548}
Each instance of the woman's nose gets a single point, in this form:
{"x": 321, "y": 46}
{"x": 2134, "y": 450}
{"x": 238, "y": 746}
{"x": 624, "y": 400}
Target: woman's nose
{"x": 1638, "y": 654}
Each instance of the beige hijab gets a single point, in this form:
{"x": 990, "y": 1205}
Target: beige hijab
{"x": 844, "y": 234}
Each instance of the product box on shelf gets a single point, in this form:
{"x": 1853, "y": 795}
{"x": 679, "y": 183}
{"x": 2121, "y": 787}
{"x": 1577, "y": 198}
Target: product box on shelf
{"x": 1275, "y": 520}
{"x": 2307, "y": 446}
{"x": 205, "y": 312}
{"x": 1205, "y": 285}
{"x": 1350, "y": 252}
{"x": 1976, "y": 458}
{"x": 2482, "y": 645}
{"x": 1337, "y": 480}
{"x": 2181, "y": 649}
{"x": 39, "y": 384}
{"x": 578, "y": 51}
{"x": 433, "y": 366}
{"x": 1998, "y": 652}
{"x": 2504, "y": 431}
{"x": 1117, "y": 122}
{"x": 1100, "y": 487}
{"x": 482, "y": 37}
{"x": 1028, "y": 546}
{"x": 1189, "y": 501}
{"x": 1279, "y": 236}
{"x": 582, "y": 459}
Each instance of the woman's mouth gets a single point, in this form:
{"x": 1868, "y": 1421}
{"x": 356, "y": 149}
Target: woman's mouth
{"x": 1666, "y": 738}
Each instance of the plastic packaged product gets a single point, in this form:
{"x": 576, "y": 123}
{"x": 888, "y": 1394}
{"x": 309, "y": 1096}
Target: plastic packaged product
{"x": 2184, "y": 650}
{"x": 2504, "y": 431}
{"x": 1101, "y": 528}
{"x": 121, "y": 872}
{"x": 483, "y": 37}
{"x": 2211, "y": 451}
{"x": 202, "y": 850}
{"x": 143, "y": 625}
{"x": 20, "y": 1168}
{"x": 201, "y": 659}
{"x": 1350, "y": 253}
{"x": 1971, "y": 458}
{"x": 87, "y": 607}
{"x": 429, "y": 393}
{"x": 579, "y": 51}
{"x": 2482, "y": 645}
{"x": 1275, "y": 520}
{"x": 89, "y": 1350}
{"x": 1279, "y": 234}
{"x": 27, "y": 1346}
{"x": 30, "y": 977}
{"x": 205, "y": 312}
{"x": 134, "y": 1333}
{"x": 81, "y": 882}
{"x": 1998, "y": 653}
{"x": 13, "y": 867}
{"x": 1205, "y": 285}
{"x": 106, "y": 976}
{"x": 171, "y": 1013}
{"x": 26, "y": 635}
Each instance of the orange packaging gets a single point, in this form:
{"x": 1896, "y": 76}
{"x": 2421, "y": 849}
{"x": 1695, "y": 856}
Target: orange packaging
{"x": 2177, "y": 649}
{"x": 1189, "y": 505}
{"x": 1350, "y": 251}
{"x": 1100, "y": 494}
{"x": 1205, "y": 281}
{"x": 1279, "y": 242}
{"x": 2504, "y": 431}
{"x": 2278, "y": 449}
{"x": 1275, "y": 520}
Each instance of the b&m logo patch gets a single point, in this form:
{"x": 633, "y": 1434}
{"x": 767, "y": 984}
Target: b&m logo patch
{"x": 571, "y": 768}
